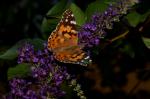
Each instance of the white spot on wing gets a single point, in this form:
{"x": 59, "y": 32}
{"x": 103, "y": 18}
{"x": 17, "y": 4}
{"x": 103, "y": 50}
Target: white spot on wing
{"x": 72, "y": 15}
{"x": 87, "y": 57}
{"x": 66, "y": 20}
{"x": 73, "y": 22}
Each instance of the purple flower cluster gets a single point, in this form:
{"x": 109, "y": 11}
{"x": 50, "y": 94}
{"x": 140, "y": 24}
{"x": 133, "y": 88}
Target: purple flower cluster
{"x": 46, "y": 76}
{"x": 20, "y": 89}
{"x": 91, "y": 33}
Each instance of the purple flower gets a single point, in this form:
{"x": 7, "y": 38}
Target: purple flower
{"x": 90, "y": 27}
{"x": 91, "y": 33}
{"x": 46, "y": 75}
{"x": 25, "y": 53}
{"x": 30, "y": 94}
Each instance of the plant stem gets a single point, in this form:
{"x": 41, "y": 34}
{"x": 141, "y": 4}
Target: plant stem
{"x": 119, "y": 36}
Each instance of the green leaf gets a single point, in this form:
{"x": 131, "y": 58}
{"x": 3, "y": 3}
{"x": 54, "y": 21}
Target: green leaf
{"x": 53, "y": 16}
{"x": 38, "y": 43}
{"x": 135, "y": 18}
{"x": 48, "y": 25}
{"x": 78, "y": 13}
{"x": 21, "y": 70}
{"x": 94, "y": 7}
{"x": 12, "y": 53}
{"x": 58, "y": 8}
{"x": 146, "y": 42}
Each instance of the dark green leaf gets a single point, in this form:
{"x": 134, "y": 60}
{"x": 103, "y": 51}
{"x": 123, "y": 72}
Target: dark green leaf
{"x": 135, "y": 18}
{"x": 146, "y": 42}
{"x": 97, "y": 6}
{"x": 78, "y": 13}
{"x": 21, "y": 70}
{"x": 52, "y": 17}
{"x": 38, "y": 43}
{"x": 48, "y": 25}
{"x": 58, "y": 8}
{"x": 11, "y": 53}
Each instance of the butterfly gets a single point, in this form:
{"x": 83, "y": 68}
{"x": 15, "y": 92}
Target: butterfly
{"x": 63, "y": 42}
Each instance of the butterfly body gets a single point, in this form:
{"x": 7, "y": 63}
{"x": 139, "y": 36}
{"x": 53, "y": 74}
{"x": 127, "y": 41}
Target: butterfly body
{"x": 63, "y": 41}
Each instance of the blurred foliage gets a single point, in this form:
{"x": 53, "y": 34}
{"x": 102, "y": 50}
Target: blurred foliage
{"x": 121, "y": 59}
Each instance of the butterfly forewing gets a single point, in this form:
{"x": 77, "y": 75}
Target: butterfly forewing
{"x": 65, "y": 32}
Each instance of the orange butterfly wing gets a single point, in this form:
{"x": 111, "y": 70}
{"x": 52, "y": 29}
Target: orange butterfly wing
{"x": 63, "y": 41}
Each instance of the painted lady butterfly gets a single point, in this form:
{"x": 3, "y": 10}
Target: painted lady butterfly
{"x": 63, "y": 42}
